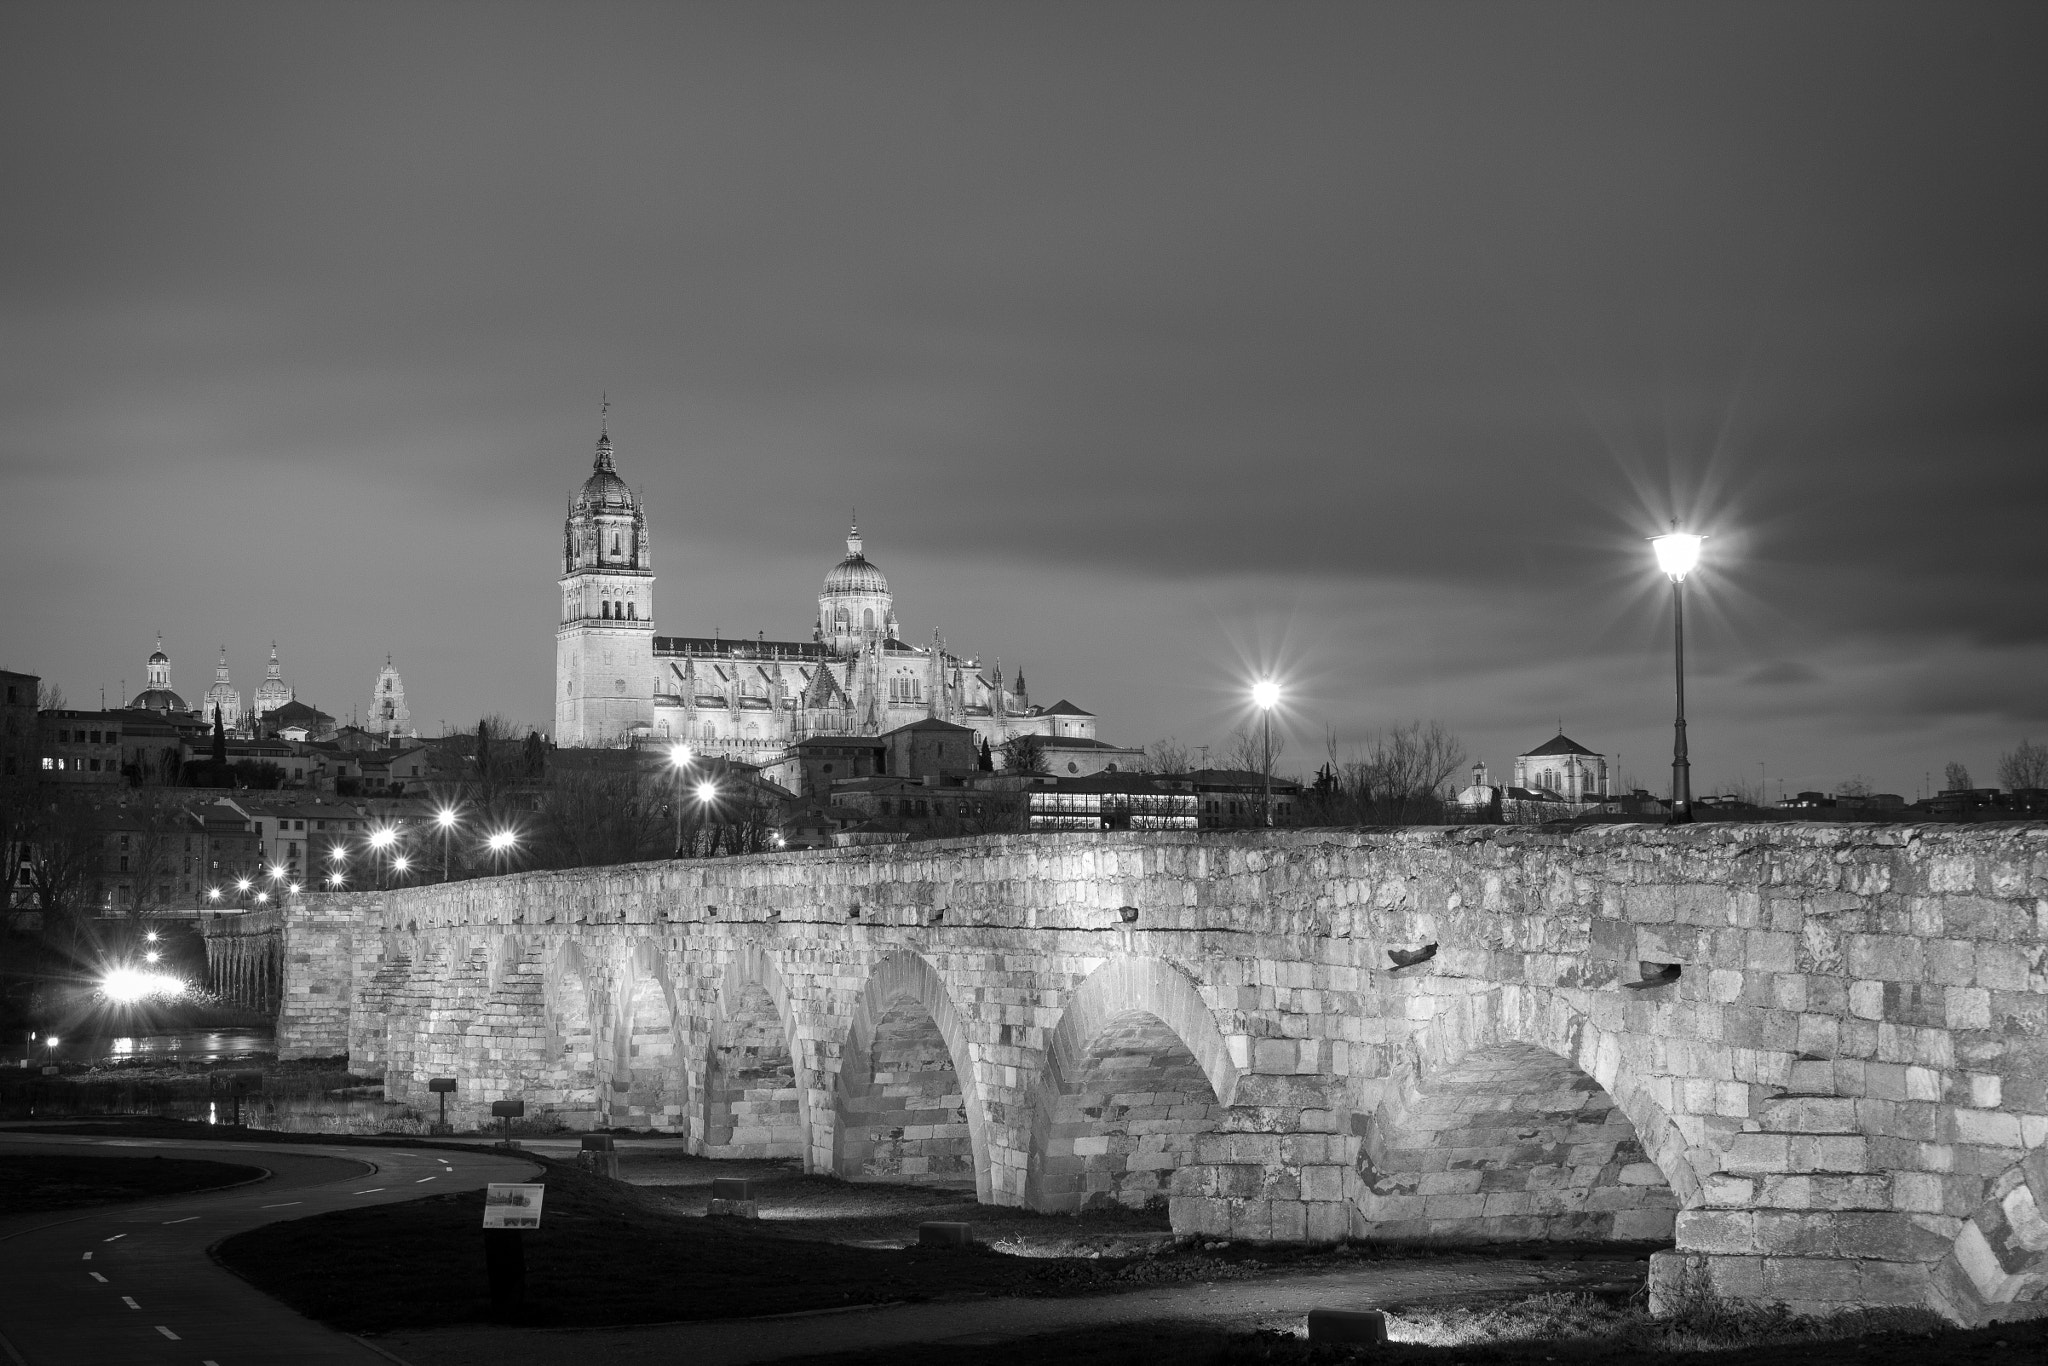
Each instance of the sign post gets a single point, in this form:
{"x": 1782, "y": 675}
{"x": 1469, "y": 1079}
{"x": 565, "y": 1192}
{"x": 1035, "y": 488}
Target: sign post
{"x": 441, "y": 1086}
{"x": 510, "y": 1208}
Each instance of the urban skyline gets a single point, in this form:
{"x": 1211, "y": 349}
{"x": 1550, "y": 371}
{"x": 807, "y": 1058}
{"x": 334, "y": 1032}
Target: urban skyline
{"x": 1269, "y": 346}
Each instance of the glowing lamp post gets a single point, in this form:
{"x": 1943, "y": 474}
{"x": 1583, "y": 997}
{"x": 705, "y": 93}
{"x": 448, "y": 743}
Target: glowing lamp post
{"x": 1266, "y": 696}
{"x": 446, "y": 820}
{"x": 381, "y": 840}
{"x": 679, "y": 756}
{"x": 1677, "y": 554}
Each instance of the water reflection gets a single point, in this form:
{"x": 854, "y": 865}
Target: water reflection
{"x": 195, "y": 1045}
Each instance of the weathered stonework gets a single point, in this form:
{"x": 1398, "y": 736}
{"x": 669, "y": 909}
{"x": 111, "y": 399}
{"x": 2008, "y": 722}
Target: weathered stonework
{"x": 1842, "y": 1098}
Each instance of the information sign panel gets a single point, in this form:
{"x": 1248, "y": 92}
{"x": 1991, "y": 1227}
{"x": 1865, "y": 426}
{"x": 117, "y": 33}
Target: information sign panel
{"x": 511, "y": 1204}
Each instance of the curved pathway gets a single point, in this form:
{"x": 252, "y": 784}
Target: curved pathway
{"x": 133, "y": 1282}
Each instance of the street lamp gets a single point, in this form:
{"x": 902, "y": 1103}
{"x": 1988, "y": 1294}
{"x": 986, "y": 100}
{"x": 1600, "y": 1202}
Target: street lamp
{"x": 334, "y": 878}
{"x": 1266, "y": 696}
{"x": 679, "y": 755}
{"x": 1677, "y": 554}
{"x": 500, "y": 844}
{"x": 445, "y": 818}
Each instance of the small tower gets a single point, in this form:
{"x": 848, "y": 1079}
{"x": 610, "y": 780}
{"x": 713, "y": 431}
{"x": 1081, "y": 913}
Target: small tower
{"x": 156, "y": 695}
{"x": 224, "y": 697}
{"x": 604, "y": 644}
{"x": 388, "y": 714}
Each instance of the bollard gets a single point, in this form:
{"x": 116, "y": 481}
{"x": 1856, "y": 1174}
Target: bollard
{"x": 942, "y": 1233}
{"x": 733, "y": 1197}
{"x": 1347, "y": 1325}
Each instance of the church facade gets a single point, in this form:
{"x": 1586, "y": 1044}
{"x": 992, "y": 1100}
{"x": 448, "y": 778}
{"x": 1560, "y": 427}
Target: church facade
{"x": 619, "y": 682}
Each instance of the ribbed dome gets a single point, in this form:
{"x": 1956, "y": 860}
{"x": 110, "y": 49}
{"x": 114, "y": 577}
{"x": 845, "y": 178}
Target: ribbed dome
{"x": 854, "y": 574}
{"x": 604, "y": 491}
{"x": 159, "y": 658}
{"x": 157, "y": 699}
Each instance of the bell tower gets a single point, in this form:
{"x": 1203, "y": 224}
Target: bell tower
{"x": 604, "y": 646}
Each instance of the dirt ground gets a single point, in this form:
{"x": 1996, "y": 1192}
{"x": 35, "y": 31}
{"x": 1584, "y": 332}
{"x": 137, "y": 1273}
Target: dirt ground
{"x": 876, "y": 1215}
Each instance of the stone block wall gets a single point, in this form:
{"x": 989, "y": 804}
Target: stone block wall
{"x": 1839, "y": 1091}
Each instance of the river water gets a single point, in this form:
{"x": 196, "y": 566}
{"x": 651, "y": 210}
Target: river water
{"x": 239, "y": 1044}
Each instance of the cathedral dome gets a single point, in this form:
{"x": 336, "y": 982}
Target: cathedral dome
{"x": 157, "y": 699}
{"x": 855, "y": 574}
{"x": 159, "y": 658}
{"x": 604, "y": 491}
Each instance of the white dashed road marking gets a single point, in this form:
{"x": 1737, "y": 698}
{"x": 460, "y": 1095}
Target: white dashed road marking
{"x": 186, "y": 1220}
{"x": 424, "y": 1178}
{"x": 129, "y": 1300}
{"x": 86, "y": 1258}
{"x": 371, "y": 1191}
{"x": 96, "y": 1276}
{"x": 168, "y": 1333}
{"x": 281, "y": 1204}
{"x": 109, "y": 1240}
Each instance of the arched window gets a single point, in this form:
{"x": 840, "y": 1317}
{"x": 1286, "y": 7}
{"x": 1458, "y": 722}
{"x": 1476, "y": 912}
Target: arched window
{"x": 631, "y": 615}
{"x": 867, "y": 618}
{"x": 842, "y": 620}
{"x": 615, "y": 543}
{"x": 604, "y": 609}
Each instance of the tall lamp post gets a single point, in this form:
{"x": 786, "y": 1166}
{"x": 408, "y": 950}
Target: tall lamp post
{"x": 1266, "y": 694}
{"x": 445, "y": 818}
{"x": 679, "y": 756}
{"x": 1677, "y": 553}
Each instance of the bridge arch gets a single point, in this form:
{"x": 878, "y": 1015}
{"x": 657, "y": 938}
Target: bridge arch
{"x": 756, "y": 1099}
{"x": 1135, "y": 1074}
{"x": 569, "y": 1070}
{"x": 908, "y": 1105}
{"x": 1513, "y": 1116}
{"x": 648, "y": 1088}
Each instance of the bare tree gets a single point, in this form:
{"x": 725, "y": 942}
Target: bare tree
{"x": 1166, "y": 756}
{"x": 64, "y": 847}
{"x": 49, "y": 697}
{"x": 2024, "y": 766}
{"x": 158, "y": 823}
{"x": 1397, "y": 779}
{"x": 1245, "y": 749}
{"x": 1857, "y": 786}
{"x": 591, "y": 817}
{"x": 1955, "y": 777}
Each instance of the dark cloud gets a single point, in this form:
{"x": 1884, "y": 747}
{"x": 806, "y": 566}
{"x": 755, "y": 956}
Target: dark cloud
{"x": 1155, "y": 343}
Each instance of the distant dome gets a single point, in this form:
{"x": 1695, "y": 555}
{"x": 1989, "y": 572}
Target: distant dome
{"x": 855, "y": 574}
{"x": 157, "y": 699}
{"x": 159, "y": 658}
{"x": 604, "y": 491}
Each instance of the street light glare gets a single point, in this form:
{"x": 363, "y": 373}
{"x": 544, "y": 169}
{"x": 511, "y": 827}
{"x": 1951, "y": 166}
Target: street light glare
{"x": 1677, "y": 553}
{"x": 445, "y": 818}
{"x": 501, "y": 841}
{"x": 334, "y": 879}
{"x": 1266, "y": 693}
{"x": 213, "y": 893}
{"x": 242, "y": 884}
{"x": 706, "y": 791}
{"x": 401, "y": 863}
{"x": 679, "y": 755}
{"x": 382, "y": 839}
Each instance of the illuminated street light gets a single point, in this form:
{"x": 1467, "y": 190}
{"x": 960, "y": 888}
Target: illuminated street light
{"x": 400, "y": 864}
{"x": 276, "y": 873}
{"x": 294, "y": 889}
{"x": 707, "y": 792}
{"x": 262, "y": 897}
{"x": 679, "y": 756}
{"x": 213, "y": 893}
{"x": 1678, "y": 553}
{"x": 445, "y": 818}
{"x": 153, "y": 956}
{"x": 151, "y": 936}
{"x": 383, "y": 838}
{"x": 1266, "y": 696}
{"x": 502, "y": 841}
{"x": 334, "y": 879}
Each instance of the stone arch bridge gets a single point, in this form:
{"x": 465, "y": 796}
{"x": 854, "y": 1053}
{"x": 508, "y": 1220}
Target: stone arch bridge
{"x": 1812, "y": 1058}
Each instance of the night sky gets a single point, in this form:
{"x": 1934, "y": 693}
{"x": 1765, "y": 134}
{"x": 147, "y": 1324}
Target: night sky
{"x": 1155, "y": 345}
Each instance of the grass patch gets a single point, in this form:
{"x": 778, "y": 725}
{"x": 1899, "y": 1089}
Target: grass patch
{"x": 609, "y": 1253}
{"x": 33, "y": 1182}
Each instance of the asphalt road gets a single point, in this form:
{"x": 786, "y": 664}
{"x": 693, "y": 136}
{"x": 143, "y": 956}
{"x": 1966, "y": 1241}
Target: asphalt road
{"x": 120, "y": 1284}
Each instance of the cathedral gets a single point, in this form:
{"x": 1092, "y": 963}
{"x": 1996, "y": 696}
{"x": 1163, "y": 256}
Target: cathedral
{"x": 617, "y": 682}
